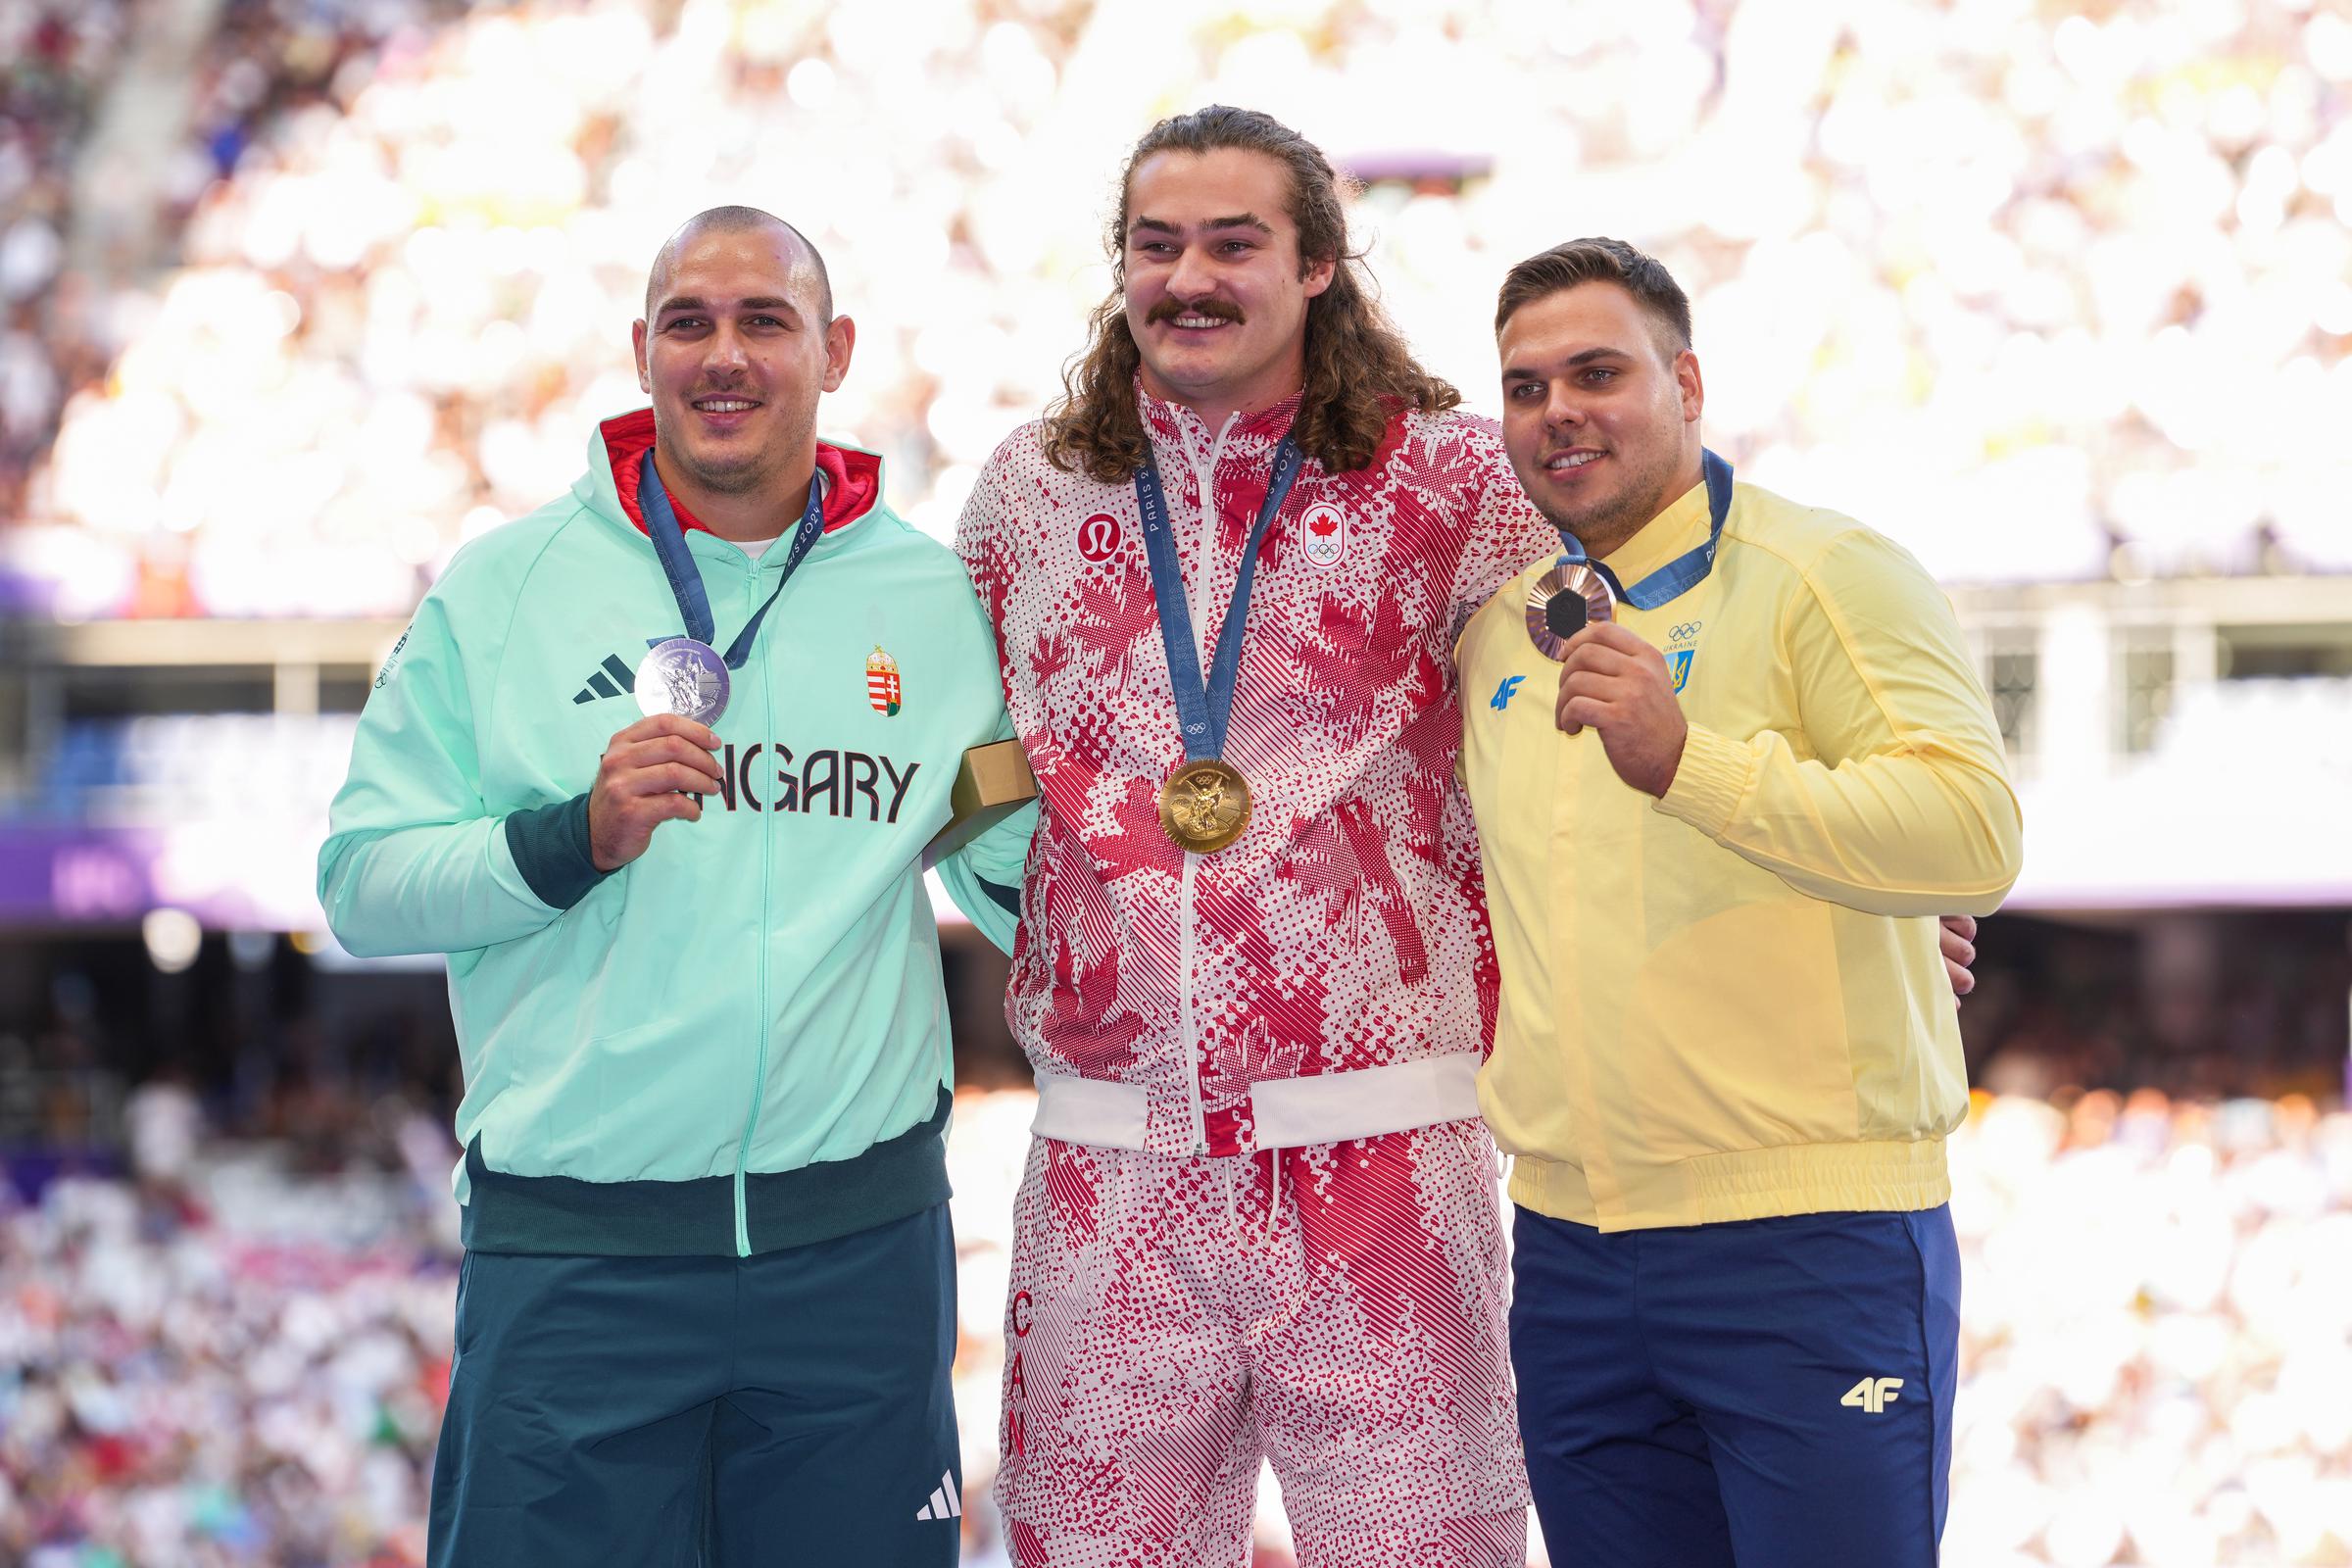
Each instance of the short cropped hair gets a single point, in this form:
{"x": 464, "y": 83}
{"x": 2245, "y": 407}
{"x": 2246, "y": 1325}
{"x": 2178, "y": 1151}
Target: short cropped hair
{"x": 736, "y": 220}
{"x": 1599, "y": 261}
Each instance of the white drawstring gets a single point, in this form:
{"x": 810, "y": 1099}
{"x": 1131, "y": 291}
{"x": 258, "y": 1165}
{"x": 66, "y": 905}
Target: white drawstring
{"x": 1232, "y": 1165}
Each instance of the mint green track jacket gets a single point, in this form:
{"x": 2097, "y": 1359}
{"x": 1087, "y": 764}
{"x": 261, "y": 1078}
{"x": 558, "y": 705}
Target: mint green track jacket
{"x": 737, "y": 1042}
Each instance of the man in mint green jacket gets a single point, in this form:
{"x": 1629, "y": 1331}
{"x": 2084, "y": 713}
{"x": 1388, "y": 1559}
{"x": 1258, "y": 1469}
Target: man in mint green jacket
{"x": 707, "y": 1298}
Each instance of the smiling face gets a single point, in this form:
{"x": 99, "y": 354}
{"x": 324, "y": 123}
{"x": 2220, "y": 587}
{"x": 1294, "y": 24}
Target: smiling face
{"x": 735, "y": 354}
{"x": 1599, "y": 412}
{"x": 1216, "y": 294}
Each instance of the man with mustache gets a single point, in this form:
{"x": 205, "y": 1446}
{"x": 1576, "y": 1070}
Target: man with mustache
{"x": 1716, "y": 832}
{"x": 1252, "y": 972}
{"x": 707, "y": 1297}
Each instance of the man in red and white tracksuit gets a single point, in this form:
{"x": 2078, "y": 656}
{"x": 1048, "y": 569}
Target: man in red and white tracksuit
{"x": 1260, "y": 1216}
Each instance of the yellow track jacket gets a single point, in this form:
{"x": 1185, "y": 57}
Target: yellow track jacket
{"x": 1729, "y": 1004}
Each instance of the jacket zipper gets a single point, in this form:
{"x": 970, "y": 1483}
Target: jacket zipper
{"x": 1203, "y": 548}
{"x": 767, "y": 1024}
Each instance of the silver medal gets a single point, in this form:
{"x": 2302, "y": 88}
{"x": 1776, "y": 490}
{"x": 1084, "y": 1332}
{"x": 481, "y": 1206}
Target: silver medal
{"x": 685, "y": 677}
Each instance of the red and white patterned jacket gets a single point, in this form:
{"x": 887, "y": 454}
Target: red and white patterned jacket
{"x": 1346, "y": 927}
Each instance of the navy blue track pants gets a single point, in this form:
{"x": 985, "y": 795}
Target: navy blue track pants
{"x": 1771, "y": 1394}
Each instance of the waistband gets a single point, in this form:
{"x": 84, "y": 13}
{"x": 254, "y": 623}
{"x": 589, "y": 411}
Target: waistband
{"x": 1327, "y": 1107}
{"x": 820, "y": 1202}
{"x": 1886, "y": 1176}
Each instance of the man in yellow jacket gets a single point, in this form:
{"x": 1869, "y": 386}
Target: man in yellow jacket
{"x": 1717, "y": 823}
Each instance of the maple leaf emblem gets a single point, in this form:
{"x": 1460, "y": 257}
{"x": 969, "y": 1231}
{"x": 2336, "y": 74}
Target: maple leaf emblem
{"x": 1359, "y": 674}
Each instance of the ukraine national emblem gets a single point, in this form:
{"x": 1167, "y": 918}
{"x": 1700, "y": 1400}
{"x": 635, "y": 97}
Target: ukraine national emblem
{"x": 882, "y": 687}
{"x": 1677, "y": 667}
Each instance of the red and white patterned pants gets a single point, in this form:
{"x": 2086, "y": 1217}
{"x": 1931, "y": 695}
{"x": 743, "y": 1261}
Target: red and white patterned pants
{"x": 1340, "y": 1309}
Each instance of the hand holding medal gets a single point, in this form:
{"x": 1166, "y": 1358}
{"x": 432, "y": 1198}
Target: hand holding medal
{"x": 662, "y": 767}
{"x": 657, "y": 768}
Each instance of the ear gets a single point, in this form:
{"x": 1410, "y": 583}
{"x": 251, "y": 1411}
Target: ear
{"x": 1319, "y": 275}
{"x": 645, "y": 383}
{"x": 841, "y": 338}
{"x": 1694, "y": 390}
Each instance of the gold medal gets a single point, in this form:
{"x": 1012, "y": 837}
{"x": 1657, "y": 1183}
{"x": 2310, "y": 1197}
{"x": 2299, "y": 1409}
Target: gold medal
{"x": 1204, "y": 806}
{"x": 1562, "y": 602}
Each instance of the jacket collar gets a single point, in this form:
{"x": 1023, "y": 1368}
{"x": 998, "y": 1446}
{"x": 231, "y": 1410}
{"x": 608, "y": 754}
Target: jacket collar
{"x": 853, "y": 479}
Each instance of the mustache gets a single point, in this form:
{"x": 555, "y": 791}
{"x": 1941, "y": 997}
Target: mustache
{"x": 1168, "y": 308}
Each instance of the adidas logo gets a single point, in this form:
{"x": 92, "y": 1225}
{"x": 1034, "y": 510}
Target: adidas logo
{"x": 944, "y": 1504}
{"x": 613, "y": 678}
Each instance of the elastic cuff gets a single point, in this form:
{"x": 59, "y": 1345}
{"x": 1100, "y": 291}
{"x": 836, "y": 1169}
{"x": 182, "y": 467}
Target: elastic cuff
{"x": 1713, "y": 777}
{"x": 550, "y": 846}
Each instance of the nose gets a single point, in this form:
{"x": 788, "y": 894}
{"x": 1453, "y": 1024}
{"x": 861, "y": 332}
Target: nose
{"x": 724, "y": 351}
{"x": 1190, "y": 279}
{"x": 1561, "y": 411}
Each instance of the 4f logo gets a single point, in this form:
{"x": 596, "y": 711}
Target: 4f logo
{"x": 1099, "y": 537}
{"x": 1872, "y": 1395}
{"x": 1505, "y": 692}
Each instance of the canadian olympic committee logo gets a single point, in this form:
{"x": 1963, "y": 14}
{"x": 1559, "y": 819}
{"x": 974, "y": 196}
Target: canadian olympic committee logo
{"x": 1325, "y": 529}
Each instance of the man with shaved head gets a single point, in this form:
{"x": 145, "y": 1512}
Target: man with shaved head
{"x": 656, "y": 767}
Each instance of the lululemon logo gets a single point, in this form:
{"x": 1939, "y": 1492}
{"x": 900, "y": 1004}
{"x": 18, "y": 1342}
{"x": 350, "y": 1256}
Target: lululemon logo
{"x": 1099, "y": 537}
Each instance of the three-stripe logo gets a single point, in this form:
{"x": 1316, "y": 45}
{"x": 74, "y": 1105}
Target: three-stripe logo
{"x": 945, "y": 1502}
{"x": 611, "y": 679}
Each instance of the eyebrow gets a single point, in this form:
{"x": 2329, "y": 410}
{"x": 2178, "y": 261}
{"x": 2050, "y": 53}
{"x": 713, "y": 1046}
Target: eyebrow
{"x": 760, "y": 302}
{"x": 1520, "y": 372}
{"x": 1161, "y": 225}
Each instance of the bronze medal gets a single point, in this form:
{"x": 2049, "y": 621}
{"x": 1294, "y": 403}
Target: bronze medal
{"x": 1562, "y": 602}
{"x": 1204, "y": 806}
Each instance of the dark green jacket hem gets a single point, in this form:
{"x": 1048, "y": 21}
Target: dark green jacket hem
{"x": 563, "y": 1214}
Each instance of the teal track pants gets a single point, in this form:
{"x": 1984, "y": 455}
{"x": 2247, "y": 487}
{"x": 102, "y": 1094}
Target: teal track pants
{"x": 784, "y": 1409}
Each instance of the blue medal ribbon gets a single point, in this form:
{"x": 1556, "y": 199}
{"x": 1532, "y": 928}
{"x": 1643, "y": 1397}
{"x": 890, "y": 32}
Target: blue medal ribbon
{"x": 1684, "y": 571}
{"x": 1201, "y": 710}
{"x": 668, "y": 535}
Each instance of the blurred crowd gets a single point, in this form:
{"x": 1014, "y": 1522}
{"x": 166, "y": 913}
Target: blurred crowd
{"x": 214, "y": 1361}
{"x": 2156, "y": 1334}
{"x": 2046, "y": 292}
{"x": 2198, "y": 1004}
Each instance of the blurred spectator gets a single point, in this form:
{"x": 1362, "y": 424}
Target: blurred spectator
{"x": 2065, "y": 294}
{"x": 2157, "y": 1334}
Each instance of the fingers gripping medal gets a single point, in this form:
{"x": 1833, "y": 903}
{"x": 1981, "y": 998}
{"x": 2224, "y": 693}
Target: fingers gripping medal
{"x": 1204, "y": 803}
{"x": 1562, "y": 602}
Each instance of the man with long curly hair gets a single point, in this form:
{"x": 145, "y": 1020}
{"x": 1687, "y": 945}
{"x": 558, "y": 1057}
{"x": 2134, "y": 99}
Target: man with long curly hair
{"x": 1252, "y": 969}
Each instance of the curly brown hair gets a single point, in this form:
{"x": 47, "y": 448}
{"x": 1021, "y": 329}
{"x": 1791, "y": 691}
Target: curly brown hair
{"x": 1358, "y": 370}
